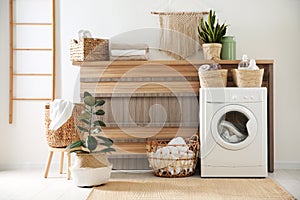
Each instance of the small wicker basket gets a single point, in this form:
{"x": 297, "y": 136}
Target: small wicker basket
{"x": 213, "y": 78}
{"x": 89, "y": 49}
{"x": 64, "y": 135}
{"x": 247, "y": 78}
{"x": 180, "y": 165}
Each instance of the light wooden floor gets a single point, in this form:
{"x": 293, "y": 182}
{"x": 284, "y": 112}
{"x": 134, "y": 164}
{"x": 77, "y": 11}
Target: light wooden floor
{"x": 25, "y": 184}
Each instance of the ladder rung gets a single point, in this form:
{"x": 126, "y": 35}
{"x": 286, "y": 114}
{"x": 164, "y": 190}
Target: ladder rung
{"x": 32, "y": 24}
{"x": 32, "y": 74}
{"x": 32, "y": 49}
{"x": 31, "y": 99}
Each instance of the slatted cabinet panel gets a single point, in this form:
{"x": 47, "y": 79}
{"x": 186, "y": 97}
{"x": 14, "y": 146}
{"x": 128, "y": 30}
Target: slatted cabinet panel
{"x": 151, "y": 111}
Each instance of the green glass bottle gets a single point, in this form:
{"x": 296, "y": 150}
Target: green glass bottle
{"x": 228, "y": 48}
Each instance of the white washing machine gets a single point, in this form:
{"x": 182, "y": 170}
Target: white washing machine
{"x": 233, "y": 132}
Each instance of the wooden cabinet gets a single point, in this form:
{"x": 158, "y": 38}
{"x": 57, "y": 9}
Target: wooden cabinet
{"x": 156, "y": 99}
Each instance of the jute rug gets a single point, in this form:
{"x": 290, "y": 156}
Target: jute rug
{"x": 135, "y": 187}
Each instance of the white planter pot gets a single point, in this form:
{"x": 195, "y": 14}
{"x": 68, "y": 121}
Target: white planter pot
{"x": 212, "y": 51}
{"x": 87, "y": 177}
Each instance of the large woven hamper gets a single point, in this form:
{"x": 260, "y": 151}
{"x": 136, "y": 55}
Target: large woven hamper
{"x": 213, "y": 78}
{"x": 247, "y": 78}
{"x": 89, "y": 49}
{"x": 181, "y": 166}
{"x": 64, "y": 135}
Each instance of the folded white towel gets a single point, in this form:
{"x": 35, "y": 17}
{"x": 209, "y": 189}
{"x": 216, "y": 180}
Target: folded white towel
{"x": 209, "y": 67}
{"x": 60, "y": 111}
{"x": 204, "y": 68}
{"x": 179, "y": 141}
{"x": 132, "y": 52}
{"x": 127, "y": 46}
{"x": 145, "y": 57}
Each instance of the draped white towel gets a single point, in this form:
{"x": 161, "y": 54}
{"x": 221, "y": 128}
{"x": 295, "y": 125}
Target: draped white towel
{"x": 60, "y": 111}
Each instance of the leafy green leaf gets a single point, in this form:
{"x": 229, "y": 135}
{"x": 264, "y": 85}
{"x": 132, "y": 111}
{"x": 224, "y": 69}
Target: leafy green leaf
{"x": 100, "y": 103}
{"x": 99, "y": 123}
{"x": 105, "y": 144}
{"x": 96, "y": 130}
{"x": 84, "y": 115}
{"x": 100, "y": 112}
{"x": 106, "y": 150}
{"x": 78, "y": 143}
{"x": 106, "y": 140}
{"x": 85, "y": 94}
{"x": 82, "y": 129}
{"x": 89, "y": 100}
{"x": 77, "y": 151}
{"x": 91, "y": 143}
{"x": 211, "y": 31}
{"x": 85, "y": 121}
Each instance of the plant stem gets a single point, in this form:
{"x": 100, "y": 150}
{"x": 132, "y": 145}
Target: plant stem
{"x": 90, "y": 127}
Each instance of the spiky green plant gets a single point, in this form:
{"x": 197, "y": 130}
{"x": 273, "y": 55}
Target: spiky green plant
{"x": 211, "y": 31}
{"x": 91, "y": 128}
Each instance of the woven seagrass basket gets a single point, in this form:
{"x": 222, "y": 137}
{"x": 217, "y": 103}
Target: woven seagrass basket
{"x": 180, "y": 165}
{"x": 64, "y": 135}
{"x": 92, "y": 160}
{"x": 213, "y": 78}
{"x": 247, "y": 78}
{"x": 89, "y": 49}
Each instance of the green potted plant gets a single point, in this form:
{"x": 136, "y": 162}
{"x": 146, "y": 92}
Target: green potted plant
{"x": 210, "y": 33}
{"x": 91, "y": 165}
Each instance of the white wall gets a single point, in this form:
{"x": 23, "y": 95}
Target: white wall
{"x": 263, "y": 29}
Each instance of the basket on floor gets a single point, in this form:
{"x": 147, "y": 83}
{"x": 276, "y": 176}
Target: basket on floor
{"x": 173, "y": 160}
{"x": 92, "y": 160}
{"x": 64, "y": 135}
{"x": 89, "y": 49}
{"x": 247, "y": 78}
{"x": 213, "y": 78}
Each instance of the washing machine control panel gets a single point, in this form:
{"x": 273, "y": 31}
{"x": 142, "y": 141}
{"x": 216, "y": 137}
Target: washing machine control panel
{"x": 244, "y": 96}
{"x": 235, "y": 95}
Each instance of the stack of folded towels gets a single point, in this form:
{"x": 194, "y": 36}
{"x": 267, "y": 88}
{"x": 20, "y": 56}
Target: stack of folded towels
{"x": 123, "y": 51}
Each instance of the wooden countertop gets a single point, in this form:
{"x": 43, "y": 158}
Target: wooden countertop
{"x": 161, "y": 62}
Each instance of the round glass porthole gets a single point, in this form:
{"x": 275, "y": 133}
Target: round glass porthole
{"x": 234, "y": 127}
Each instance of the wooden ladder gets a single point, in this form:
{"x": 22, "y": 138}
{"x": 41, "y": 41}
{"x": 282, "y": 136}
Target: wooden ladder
{"x": 14, "y": 74}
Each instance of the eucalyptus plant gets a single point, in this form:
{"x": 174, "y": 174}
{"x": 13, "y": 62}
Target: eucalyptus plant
{"x": 91, "y": 127}
{"x": 211, "y": 31}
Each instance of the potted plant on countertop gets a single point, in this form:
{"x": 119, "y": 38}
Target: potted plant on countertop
{"x": 211, "y": 33}
{"x": 91, "y": 165}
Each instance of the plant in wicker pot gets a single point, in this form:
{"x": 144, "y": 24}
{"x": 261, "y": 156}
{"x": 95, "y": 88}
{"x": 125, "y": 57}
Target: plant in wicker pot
{"x": 91, "y": 166}
{"x": 211, "y": 33}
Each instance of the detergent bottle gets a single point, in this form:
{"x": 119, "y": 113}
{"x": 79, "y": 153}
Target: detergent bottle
{"x": 244, "y": 64}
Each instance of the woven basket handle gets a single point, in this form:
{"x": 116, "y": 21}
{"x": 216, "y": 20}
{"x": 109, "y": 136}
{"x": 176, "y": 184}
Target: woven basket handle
{"x": 194, "y": 138}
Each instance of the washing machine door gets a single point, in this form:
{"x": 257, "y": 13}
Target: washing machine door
{"x": 234, "y": 127}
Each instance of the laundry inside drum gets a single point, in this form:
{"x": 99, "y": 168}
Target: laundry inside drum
{"x": 232, "y": 127}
